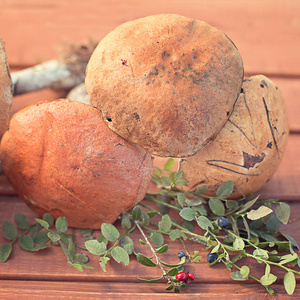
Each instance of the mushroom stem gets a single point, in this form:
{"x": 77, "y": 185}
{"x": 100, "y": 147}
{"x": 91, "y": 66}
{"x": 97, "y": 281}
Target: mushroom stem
{"x": 64, "y": 73}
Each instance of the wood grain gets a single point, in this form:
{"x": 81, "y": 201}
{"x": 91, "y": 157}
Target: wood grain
{"x": 267, "y": 35}
{"x": 266, "y": 32}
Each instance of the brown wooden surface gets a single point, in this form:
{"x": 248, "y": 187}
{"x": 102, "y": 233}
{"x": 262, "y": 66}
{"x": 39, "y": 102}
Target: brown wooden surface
{"x": 267, "y": 33}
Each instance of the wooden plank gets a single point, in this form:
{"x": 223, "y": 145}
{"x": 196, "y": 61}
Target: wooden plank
{"x": 83, "y": 290}
{"x": 266, "y": 32}
{"x": 51, "y": 264}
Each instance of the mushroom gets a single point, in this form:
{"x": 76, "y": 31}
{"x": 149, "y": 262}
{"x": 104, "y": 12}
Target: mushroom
{"x": 5, "y": 92}
{"x": 165, "y": 82}
{"x": 249, "y": 148}
{"x": 71, "y": 164}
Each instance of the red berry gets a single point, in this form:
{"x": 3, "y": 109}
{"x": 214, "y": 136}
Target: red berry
{"x": 190, "y": 276}
{"x": 181, "y": 276}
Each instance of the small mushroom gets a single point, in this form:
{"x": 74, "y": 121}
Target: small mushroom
{"x": 249, "y": 148}
{"x": 165, "y": 82}
{"x": 5, "y": 92}
{"x": 62, "y": 158}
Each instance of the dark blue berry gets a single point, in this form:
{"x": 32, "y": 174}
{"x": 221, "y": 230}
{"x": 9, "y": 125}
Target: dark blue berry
{"x": 181, "y": 254}
{"x": 212, "y": 257}
{"x": 223, "y": 222}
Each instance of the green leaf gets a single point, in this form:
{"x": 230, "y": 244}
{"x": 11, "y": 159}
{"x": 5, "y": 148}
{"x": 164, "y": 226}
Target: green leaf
{"x": 238, "y": 244}
{"x": 169, "y": 164}
{"x": 289, "y": 282}
{"x": 288, "y": 258}
{"x": 216, "y": 248}
{"x": 178, "y": 175}
{"x": 127, "y": 244}
{"x": 187, "y": 213}
{"x": 181, "y": 199}
{"x": 53, "y": 236}
{"x": 144, "y": 260}
{"x": 26, "y": 242}
{"x": 248, "y": 205}
{"x": 273, "y": 223}
{"x": 150, "y": 280}
{"x": 268, "y": 280}
{"x": 204, "y": 223}
{"x": 172, "y": 272}
{"x": 41, "y": 237}
{"x": 290, "y": 239}
{"x": 110, "y": 232}
{"x": 162, "y": 249}
{"x": 169, "y": 288}
{"x": 71, "y": 248}
{"x": 142, "y": 242}
{"x": 157, "y": 239}
{"x": 66, "y": 251}
{"x": 176, "y": 234}
{"x": 22, "y": 221}
{"x": 282, "y": 212}
{"x": 9, "y": 230}
{"x": 136, "y": 213}
{"x": 165, "y": 223}
{"x": 94, "y": 247}
{"x": 231, "y": 204}
{"x": 126, "y": 223}
{"x": 5, "y": 251}
{"x": 201, "y": 190}
{"x": 180, "y": 182}
{"x": 103, "y": 261}
{"x": 267, "y": 236}
{"x": 120, "y": 255}
{"x": 101, "y": 239}
{"x": 43, "y": 223}
{"x": 166, "y": 181}
{"x": 81, "y": 258}
{"x": 49, "y": 219}
{"x": 244, "y": 271}
{"x": 260, "y": 253}
{"x": 216, "y": 206}
{"x": 237, "y": 276}
{"x": 261, "y": 212}
{"x": 225, "y": 190}
{"x": 61, "y": 224}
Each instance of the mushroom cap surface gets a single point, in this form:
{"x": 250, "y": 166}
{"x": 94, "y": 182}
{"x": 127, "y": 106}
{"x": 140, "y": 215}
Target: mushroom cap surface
{"x": 249, "y": 148}
{"x": 165, "y": 82}
{"x": 63, "y": 159}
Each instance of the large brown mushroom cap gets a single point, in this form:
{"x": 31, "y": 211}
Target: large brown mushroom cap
{"x": 63, "y": 159}
{"x": 249, "y": 148}
{"x": 5, "y": 91}
{"x": 165, "y": 82}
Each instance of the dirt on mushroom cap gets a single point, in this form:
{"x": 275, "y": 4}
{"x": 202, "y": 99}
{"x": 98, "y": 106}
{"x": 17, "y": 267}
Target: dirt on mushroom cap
{"x": 249, "y": 148}
{"x": 63, "y": 159}
{"x": 165, "y": 82}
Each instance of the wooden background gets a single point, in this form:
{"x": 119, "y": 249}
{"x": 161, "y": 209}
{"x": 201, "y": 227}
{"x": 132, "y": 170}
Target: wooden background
{"x": 267, "y": 34}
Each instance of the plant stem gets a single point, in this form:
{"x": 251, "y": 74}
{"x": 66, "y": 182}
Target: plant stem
{"x": 152, "y": 199}
{"x": 150, "y": 246}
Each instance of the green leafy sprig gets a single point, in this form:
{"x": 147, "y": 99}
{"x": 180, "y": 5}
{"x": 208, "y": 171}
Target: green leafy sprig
{"x": 252, "y": 233}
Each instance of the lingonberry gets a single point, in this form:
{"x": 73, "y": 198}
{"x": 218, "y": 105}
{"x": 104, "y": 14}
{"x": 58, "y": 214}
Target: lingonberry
{"x": 223, "y": 222}
{"x": 181, "y": 276}
{"x": 181, "y": 254}
{"x": 212, "y": 257}
{"x": 191, "y": 276}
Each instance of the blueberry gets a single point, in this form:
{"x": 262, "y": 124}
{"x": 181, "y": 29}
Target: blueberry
{"x": 223, "y": 222}
{"x": 212, "y": 257}
{"x": 181, "y": 254}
